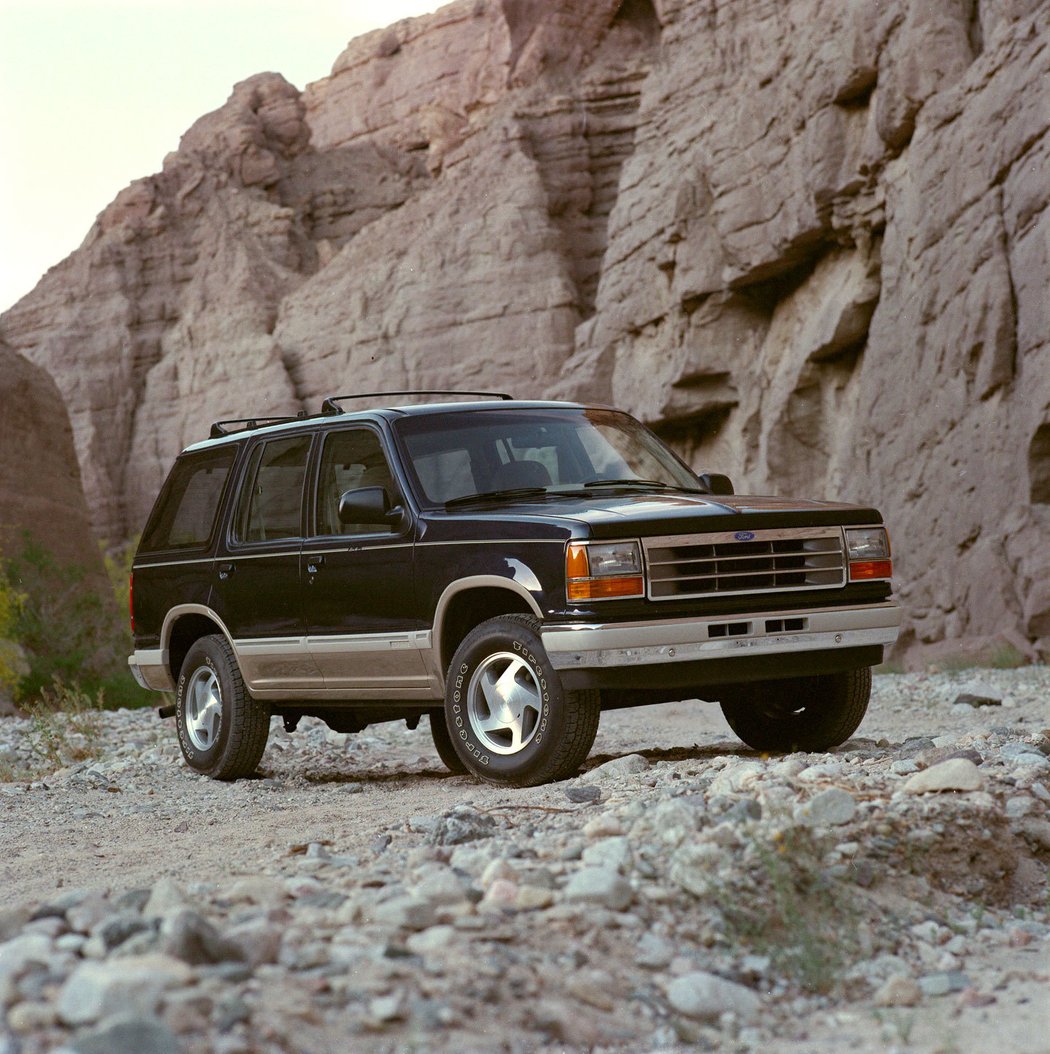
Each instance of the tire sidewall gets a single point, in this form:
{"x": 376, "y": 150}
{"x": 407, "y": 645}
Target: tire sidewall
{"x": 834, "y": 705}
{"x": 446, "y": 749}
{"x": 503, "y": 636}
{"x": 203, "y": 654}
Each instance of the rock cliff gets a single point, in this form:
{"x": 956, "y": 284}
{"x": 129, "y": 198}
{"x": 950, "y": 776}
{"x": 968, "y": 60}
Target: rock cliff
{"x": 807, "y": 240}
{"x": 40, "y": 488}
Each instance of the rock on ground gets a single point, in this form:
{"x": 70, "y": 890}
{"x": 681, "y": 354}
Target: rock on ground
{"x": 356, "y": 896}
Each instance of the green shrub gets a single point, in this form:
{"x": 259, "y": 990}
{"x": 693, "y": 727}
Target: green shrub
{"x": 1001, "y": 656}
{"x": 791, "y": 909}
{"x": 64, "y": 728}
{"x": 71, "y": 629}
{"x": 118, "y": 563}
{"x": 11, "y": 604}
{"x": 64, "y": 725}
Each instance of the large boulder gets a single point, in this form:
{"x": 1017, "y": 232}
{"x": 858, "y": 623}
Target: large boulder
{"x": 41, "y": 496}
{"x": 40, "y": 489}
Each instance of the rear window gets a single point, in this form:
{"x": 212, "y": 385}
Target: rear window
{"x": 184, "y": 517}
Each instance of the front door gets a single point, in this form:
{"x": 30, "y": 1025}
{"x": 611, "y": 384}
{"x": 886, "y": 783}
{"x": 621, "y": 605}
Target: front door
{"x": 364, "y": 631}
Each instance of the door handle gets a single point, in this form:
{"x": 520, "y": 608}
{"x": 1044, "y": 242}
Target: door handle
{"x": 225, "y": 570}
{"x": 314, "y": 564}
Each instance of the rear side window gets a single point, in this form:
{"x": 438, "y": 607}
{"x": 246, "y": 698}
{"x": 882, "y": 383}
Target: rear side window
{"x": 270, "y": 506}
{"x": 184, "y": 517}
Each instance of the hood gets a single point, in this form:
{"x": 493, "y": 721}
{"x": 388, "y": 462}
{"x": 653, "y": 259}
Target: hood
{"x": 656, "y": 513}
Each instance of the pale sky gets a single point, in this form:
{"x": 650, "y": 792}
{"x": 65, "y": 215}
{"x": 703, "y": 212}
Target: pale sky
{"x": 94, "y": 93}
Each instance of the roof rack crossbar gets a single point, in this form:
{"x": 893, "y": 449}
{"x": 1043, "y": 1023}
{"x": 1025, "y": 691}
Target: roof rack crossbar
{"x": 244, "y": 424}
{"x": 331, "y": 404}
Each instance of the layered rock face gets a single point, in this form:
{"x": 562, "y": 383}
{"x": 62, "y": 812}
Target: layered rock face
{"x": 807, "y": 240}
{"x": 40, "y": 488}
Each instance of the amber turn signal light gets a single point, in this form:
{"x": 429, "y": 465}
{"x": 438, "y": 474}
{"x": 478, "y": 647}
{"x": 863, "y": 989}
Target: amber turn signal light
{"x": 603, "y": 571}
{"x": 605, "y": 588}
{"x": 866, "y": 570}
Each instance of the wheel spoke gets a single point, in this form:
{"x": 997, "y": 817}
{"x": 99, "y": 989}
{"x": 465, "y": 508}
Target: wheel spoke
{"x": 516, "y": 735}
{"x": 491, "y": 723}
{"x": 199, "y": 694}
{"x": 209, "y": 719}
{"x": 524, "y": 697}
{"x": 204, "y": 709}
{"x": 488, "y": 682}
{"x": 508, "y": 684}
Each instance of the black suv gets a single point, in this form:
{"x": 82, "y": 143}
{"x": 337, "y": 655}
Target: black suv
{"x": 510, "y": 569}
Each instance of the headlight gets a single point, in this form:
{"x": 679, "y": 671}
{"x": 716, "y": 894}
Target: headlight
{"x": 603, "y": 571}
{"x": 869, "y": 554}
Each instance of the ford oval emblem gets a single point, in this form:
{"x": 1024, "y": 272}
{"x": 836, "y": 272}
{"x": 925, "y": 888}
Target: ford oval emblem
{"x": 744, "y": 536}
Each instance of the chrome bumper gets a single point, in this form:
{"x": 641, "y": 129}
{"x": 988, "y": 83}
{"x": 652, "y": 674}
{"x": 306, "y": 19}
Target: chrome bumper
{"x": 150, "y": 669}
{"x": 597, "y": 646}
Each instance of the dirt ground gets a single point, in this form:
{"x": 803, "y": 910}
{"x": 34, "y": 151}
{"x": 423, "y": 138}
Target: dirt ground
{"x": 137, "y": 814}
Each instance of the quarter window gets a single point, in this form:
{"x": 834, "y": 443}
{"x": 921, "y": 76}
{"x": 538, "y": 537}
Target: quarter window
{"x": 185, "y": 512}
{"x": 270, "y": 506}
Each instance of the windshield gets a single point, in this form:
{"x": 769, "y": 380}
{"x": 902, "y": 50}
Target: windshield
{"x": 461, "y": 456}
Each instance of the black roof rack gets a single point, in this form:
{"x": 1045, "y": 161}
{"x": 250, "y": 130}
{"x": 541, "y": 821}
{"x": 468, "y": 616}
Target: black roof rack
{"x": 328, "y": 407}
{"x": 331, "y": 404}
{"x": 243, "y": 424}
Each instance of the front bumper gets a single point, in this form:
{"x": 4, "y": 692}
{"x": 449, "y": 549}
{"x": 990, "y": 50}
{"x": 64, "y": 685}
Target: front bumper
{"x": 659, "y": 642}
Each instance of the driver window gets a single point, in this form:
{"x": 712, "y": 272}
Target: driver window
{"x": 350, "y": 460}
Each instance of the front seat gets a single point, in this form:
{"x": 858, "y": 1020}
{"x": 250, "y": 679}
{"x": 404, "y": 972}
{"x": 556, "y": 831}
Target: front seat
{"x": 517, "y": 474}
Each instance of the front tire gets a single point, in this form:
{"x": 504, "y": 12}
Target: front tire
{"x": 443, "y": 743}
{"x": 799, "y": 713}
{"x": 222, "y": 729}
{"x": 511, "y": 721}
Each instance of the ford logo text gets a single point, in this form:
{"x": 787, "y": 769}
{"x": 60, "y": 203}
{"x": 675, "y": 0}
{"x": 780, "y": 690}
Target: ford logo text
{"x": 744, "y": 536}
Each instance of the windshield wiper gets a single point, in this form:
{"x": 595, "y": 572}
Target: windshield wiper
{"x": 496, "y": 495}
{"x": 633, "y": 482}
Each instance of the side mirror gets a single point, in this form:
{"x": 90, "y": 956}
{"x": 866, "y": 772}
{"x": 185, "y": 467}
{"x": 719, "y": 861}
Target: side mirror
{"x": 716, "y": 483}
{"x": 369, "y": 505}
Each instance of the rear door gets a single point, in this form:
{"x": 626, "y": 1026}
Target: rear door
{"x": 257, "y": 584}
{"x": 173, "y": 565}
{"x": 365, "y": 630}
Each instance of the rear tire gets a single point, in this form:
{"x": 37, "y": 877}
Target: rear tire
{"x": 511, "y": 721}
{"x": 222, "y": 729}
{"x": 800, "y": 713}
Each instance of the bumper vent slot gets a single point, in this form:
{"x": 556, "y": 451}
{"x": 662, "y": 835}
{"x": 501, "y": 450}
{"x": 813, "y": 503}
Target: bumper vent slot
{"x": 720, "y": 565}
{"x": 729, "y": 629}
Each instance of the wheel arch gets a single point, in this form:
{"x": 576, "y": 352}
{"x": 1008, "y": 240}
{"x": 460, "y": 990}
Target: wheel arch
{"x": 183, "y": 626}
{"x": 471, "y": 601}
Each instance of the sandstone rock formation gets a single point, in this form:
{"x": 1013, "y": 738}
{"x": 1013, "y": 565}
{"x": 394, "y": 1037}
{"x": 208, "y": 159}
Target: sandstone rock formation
{"x": 40, "y": 488}
{"x": 807, "y": 240}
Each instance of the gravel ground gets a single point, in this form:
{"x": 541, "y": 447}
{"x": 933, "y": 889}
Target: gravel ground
{"x": 682, "y": 893}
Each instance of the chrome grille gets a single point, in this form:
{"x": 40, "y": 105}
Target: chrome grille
{"x": 718, "y": 564}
